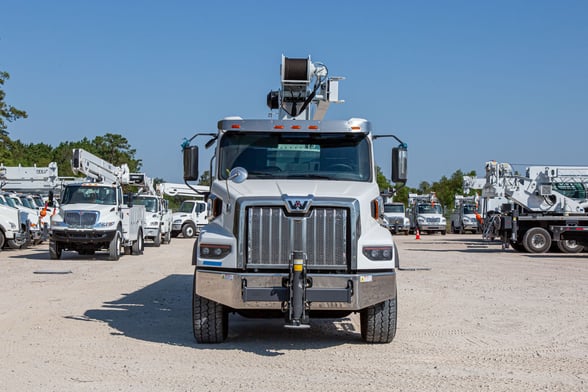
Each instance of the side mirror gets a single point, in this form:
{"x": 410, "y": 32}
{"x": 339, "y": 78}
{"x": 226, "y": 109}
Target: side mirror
{"x": 399, "y": 164}
{"x": 130, "y": 200}
{"x": 191, "y": 163}
{"x": 50, "y": 199}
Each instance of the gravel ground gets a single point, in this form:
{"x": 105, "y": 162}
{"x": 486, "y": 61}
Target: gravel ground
{"x": 471, "y": 318}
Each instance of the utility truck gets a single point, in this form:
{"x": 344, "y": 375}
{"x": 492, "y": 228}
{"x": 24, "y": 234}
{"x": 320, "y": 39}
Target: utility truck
{"x": 13, "y": 226}
{"x": 193, "y": 212}
{"x": 547, "y": 205}
{"x": 426, "y": 214}
{"x": 22, "y": 187}
{"x": 93, "y": 214}
{"x": 158, "y": 224}
{"x": 465, "y": 215}
{"x": 294, "y": 227}
{"x": 395, "y": 217}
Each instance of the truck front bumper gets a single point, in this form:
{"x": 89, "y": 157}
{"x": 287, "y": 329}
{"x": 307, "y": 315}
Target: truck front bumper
{"x": 267, "y": 291}
{"x": 82, "y": 236}
{"x": 152, "y": 232}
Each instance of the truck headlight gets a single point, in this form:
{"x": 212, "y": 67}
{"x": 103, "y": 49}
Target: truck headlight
{"x": 214, "y": 251}
{"x": 378, "y": 253}
{"x": 177, "y": 221}
{"x": 420, "y": 219}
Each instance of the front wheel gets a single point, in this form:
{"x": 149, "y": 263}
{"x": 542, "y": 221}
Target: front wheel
{"x": 189, "y": 230}
{"x": 114, "y": 247}
{"x": 2, "y": 239}
{"x": 378, "y": 322}
{"x": 157, "y": 239}
{"x": 54, "y": 250}
{"x": 537, "y": 240}
{"x": 139, "y": 244}
{"x": 210, "y": 320}
{"x": 167, "y": 237}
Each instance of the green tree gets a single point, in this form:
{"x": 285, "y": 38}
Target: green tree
{"x": 116, "y": 149}
{"x": 381, "y": 179}
{"x": 205, "y": 178}
{"x": 8, "y": 113}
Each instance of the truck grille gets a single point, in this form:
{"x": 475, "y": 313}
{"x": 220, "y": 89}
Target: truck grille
{"x": 322, "y": 235}
{"x": 81, "y": 218}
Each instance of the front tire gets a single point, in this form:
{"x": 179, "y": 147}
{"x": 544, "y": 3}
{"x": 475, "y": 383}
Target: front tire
{"x": 209, "y": 318}
{"x": 537, "y": 240}
{"x": 139, "y": 244}
{"x": 157, "y": 240}
{"x": 54, "y": 250}
{"x": 167, "y": 237}
{"x": 189, "y": 230}
{"x": 2, "y": 239}
{"x": 378, "y": 322}
{"x": 114, "y": 247}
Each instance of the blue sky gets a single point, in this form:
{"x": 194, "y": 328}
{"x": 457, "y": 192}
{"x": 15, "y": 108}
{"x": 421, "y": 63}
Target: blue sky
{"x": 461, "y": 82}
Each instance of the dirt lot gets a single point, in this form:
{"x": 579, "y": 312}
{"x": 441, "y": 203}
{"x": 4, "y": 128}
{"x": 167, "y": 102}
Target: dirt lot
{"x": 471, "y": 318}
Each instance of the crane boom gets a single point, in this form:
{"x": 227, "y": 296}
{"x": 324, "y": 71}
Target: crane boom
{"x": 29, "y": 179}
{"x": 173, "y": 189}
{"x": 97, "y": 169}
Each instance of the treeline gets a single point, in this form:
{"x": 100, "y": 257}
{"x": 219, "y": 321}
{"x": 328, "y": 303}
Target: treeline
{"x": 111, "y": 147}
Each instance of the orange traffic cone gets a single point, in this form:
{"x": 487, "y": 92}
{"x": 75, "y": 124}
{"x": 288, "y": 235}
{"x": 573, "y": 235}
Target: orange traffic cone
{"x": 418, "y": 234}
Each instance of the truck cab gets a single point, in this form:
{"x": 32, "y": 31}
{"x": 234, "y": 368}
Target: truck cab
{"x": 426, "y": 214}
{"x": 395, "y": 218}
{"x": 190, "y": 218}
{"x": 465, "y": 215}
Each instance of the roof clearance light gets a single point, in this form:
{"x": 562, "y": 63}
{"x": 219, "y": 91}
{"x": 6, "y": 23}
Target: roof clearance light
{"x": 235, "y": 126}
{"x": 355, "y": 128}
{"x": 313, "y": 127}
{"x": 278, "y": 127}
{"x": 295, "y": 126}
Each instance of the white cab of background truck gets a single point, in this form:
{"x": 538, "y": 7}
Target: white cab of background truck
{"x": 294, "y": 226}
{"x": 93, "y": 215}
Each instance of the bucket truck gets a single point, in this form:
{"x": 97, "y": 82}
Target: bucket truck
{"x": 465, "y": 215}
{"x": 93, "y": 214}
{"x": 158, "y": 223}
{"x": 192, "y": 214}
{"x": 20, "y": 184}
{"x": 547, "y": 205}
{"x": 426, "y": 214}
{"x": 294, "y": 227}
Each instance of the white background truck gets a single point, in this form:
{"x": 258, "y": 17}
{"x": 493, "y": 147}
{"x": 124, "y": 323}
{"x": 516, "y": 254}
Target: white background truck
{"x": 158, "y": 216}
{"x": 192, "y": 214}
{"x": 295, "y": 208}
{"x": 465, "y": 216}
{"x": 93, "y": 215}
{"x": 426, "y": 214}
{"x": 13, "y": 226}
{"x": 396, "y": 219}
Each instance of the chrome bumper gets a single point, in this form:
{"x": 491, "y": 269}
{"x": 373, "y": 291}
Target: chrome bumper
{"x": 266, "y": 290}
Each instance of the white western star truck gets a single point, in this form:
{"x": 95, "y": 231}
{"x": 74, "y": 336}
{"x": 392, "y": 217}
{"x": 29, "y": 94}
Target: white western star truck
{"x": 93, "y": 214}
{"x": 294, "y": 209}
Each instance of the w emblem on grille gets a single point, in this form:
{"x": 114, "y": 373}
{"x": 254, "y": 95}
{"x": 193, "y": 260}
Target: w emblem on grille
{"x": 297, "y": 204}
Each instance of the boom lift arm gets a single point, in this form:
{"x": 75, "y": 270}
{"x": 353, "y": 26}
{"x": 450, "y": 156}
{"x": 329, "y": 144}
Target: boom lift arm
{"x": 41, "y": 180}
{"x": 97, "y": 169}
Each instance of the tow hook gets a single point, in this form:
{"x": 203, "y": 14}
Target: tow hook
{"x": 297, "y": 316}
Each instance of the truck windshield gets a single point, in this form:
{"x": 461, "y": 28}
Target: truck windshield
{"x": 469, "y": 209}
{"x": 393, "y": 208}
{"x": 429, "y": 209}
{"x": 279, "y": 155}
{"x": 150, "y": 203}
{"x": 95, "y": 194}
{"x": 186, "y": 206}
